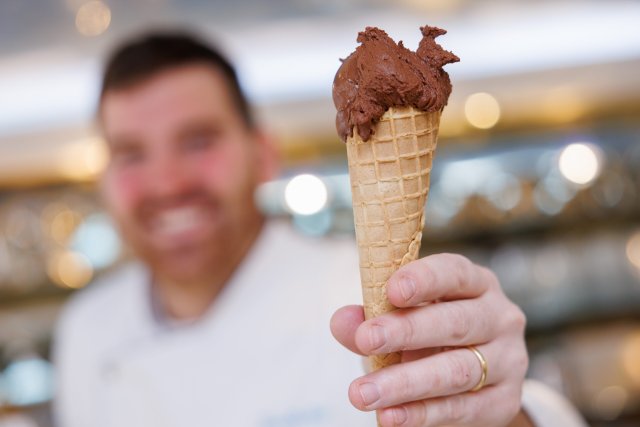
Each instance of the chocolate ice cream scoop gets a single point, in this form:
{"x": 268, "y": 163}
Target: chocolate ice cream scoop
{"x": 381, "y": 74}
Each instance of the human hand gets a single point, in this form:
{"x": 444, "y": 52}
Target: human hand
{"x": 446, "y": 303}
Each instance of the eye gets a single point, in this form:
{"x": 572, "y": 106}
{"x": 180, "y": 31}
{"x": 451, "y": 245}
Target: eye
{"x": 199, "y": 138}
{"x": 126, "y": 156}
{"x": 199, "y": 141}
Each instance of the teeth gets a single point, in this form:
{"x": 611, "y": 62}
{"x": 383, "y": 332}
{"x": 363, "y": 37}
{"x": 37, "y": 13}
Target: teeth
{"x": 178, "y": 220}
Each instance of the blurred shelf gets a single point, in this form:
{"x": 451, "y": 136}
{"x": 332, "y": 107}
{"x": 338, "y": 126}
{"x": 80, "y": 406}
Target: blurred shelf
{"x": 48, "y": 293}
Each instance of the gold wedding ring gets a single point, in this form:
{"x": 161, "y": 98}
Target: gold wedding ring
{"x": 483, "y": 365}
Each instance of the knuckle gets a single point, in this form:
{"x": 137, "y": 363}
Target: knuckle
{"x": 490, "y": 281}
{"x": 489, "y": 275}
{"x": 429, "y": 278}
{"x": 418, "y": 414}
{"x": 464, "y": 269}
{"x": 436, "y": 380}
{"x": 520, "y": 319}
{"x": 455, "y": 258}
{"x": 472, "y": 410}
{"x": 515, "y": 318}
{"x": 406, "y": 388}
{"x": 455, "y": 409}
{"x": 525, "y": 362}
{"x": 459, "y": 324}
{"x": 400, "y": 387}
{"x": 409, "y": 332}
{"x": 522, "y": 363}
{"x": 426, "y": 279}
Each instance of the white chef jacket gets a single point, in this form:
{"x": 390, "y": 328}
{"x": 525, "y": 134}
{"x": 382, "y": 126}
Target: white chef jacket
{"x": 262, "y": 356}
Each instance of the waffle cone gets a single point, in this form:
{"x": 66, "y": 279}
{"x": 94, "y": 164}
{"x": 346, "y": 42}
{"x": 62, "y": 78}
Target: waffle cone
{"x": 390, "y": 180}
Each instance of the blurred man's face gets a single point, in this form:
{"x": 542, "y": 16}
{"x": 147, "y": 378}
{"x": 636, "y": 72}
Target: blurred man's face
{"x": 183, "y": 170}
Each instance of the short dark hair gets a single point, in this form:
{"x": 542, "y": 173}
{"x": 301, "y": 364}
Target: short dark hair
{"x": 142, "y": 57}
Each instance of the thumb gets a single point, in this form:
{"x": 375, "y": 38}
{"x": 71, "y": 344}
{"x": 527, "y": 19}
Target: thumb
{"x": 344, "y": 323}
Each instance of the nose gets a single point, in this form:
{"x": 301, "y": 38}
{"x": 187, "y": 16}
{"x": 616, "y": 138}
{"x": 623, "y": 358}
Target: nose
{"x": 170, "y": 176}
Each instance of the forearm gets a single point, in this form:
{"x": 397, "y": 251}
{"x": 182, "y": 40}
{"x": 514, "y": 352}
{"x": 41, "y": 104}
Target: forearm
{"x": 521, "y": 420}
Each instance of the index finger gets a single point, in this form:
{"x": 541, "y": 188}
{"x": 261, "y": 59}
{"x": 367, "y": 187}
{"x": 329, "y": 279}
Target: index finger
{"x": 437, "y": 277}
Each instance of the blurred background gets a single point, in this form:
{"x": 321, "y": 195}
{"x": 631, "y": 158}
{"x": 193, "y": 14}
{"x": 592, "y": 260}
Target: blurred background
{"x": 537, "y": 173}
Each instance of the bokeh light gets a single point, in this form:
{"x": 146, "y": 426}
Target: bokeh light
{"x": 482, "y": 110}
{"x": 633, "y": 249}
{"x": 29, "y": 381}
{"x": 579, "y": 163}
{"x": 97, "y": 228}
{"x": 69, "y": 269}
{"x": 611, "y": 189}
{"x": 62, "y": 224}
{"x": 441, "y": 208}
{"x": 504, "y": 191}
{"x": 546, "y": 202}
{"x": 84, "y": 159}
{"x": 93, "y": 18}
{"x": 631, "y": 358}
{"x": 610, "y": 402}
{"x": 306, "y": 194}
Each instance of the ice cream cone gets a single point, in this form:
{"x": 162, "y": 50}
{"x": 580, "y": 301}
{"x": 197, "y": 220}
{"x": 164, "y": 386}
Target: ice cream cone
{"x": 390, "y": 180}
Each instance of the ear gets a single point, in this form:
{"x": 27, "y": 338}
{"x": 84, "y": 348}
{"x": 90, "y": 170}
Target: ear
{"x": 268, "y": 158}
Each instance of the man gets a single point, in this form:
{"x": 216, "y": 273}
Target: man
{"x": 224, "y": 323}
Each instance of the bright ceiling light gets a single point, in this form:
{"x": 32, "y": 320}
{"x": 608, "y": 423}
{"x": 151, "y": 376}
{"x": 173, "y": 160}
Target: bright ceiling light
{"x": 580, "y": 163}
{"x": 305, "y": 194}
{"x": 482, "y": 110}
{"x": 93, "y": 18}
{"x": 433, "y": 5}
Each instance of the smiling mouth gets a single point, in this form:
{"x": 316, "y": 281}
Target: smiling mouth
{"x": 179, "y": 226}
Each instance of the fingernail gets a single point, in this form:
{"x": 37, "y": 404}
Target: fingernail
{"x": 399, "y": 415}
{"x": 369, "y": 393}
{"x": 407, "y": 287}
{"x": 377, "y": 337}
